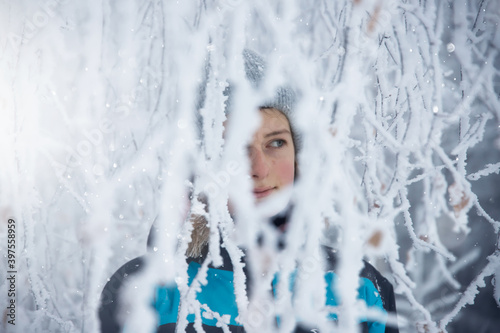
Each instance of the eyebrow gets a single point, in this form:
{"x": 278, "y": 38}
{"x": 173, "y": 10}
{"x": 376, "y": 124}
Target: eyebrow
{"x": 284, "y": 131}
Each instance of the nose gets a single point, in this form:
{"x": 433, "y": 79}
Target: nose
{"x": 260, "y": 165}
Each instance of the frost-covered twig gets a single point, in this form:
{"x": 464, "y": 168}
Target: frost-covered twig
{"x": 489, "y": 169}
{"x": 472, "y": 290}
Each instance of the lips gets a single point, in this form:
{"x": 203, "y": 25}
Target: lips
{"x": 263, "y": 192}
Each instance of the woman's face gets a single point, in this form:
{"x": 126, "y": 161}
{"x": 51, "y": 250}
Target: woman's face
{"x": 272, "y": 154}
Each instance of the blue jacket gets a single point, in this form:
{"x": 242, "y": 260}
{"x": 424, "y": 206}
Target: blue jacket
{"x": 218, "y": 294}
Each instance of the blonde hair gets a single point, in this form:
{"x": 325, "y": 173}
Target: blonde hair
{"x": 199, "y": 236}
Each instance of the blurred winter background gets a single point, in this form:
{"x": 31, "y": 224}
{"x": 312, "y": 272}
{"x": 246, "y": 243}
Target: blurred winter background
{"x": 401, "y": 99}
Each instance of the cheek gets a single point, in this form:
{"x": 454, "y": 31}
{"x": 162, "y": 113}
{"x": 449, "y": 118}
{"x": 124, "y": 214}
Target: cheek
{"x": 285, "y": 172}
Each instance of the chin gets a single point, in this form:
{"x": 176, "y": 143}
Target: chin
{"x": 274, "y": 203}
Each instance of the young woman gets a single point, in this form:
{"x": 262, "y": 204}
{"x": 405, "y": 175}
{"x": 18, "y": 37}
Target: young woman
{"x": 272, "y": 155}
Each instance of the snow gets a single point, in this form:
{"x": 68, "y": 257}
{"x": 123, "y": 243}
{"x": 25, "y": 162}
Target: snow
{"x": 398, "y": 113}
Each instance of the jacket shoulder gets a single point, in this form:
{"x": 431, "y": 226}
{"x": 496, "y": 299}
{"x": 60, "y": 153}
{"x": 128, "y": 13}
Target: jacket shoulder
{"x": 109, "y": 306}
{"x": 383, "y": 286}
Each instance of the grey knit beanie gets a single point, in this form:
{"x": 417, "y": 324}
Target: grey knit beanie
{"x": 284, "y": 99}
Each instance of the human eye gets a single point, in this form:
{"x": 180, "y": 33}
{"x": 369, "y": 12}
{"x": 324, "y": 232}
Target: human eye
{"x": 278, "y": 143}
